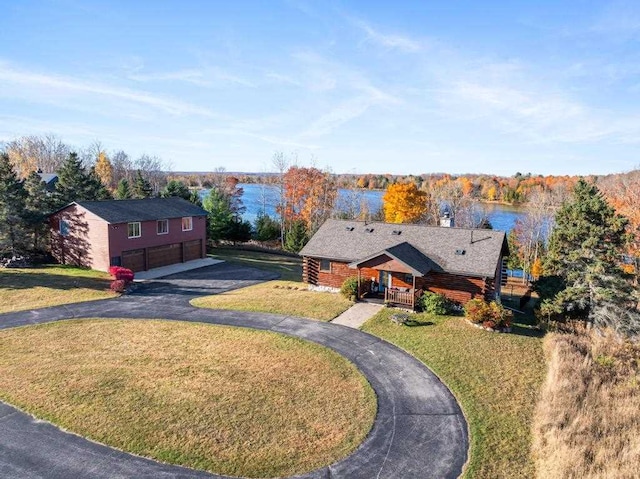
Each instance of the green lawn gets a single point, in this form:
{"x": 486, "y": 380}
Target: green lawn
{"x": 30, "y": 288}
{"x": 495, "y": 377}
{"x": 280, "y": 297}
{"x": 289, "y": 267}
{"x": 228, "y": 400}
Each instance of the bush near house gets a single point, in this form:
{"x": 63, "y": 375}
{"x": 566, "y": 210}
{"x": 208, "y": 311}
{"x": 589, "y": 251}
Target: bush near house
{"x": 434, "y": 303}
{"x": 122, "y": 277}
{"x": 489, "y": 315}
{"x": 349, "y": 288}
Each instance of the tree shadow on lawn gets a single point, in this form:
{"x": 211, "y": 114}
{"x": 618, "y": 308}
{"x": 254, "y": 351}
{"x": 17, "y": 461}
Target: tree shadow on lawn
{"x": 18, "y": 280}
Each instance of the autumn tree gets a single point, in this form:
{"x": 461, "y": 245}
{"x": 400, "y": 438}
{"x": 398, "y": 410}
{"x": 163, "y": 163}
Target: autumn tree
{"x": 404, "y": 203}
{"x": 309, "y": 195}
{"x": 104, "y": 170}
{"x": 582, "y": 264}
{"x": 31, "y": 153}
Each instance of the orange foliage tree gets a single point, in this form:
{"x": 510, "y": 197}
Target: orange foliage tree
{"x": 309, "y": 195}
{"x": 404, "y": 203}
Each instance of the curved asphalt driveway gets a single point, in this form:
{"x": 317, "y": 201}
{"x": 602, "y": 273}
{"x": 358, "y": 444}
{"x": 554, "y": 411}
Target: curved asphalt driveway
{"x": 419, "y": 430}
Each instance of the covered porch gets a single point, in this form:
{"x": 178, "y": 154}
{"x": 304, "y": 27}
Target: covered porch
{"x": 393, "y": 275}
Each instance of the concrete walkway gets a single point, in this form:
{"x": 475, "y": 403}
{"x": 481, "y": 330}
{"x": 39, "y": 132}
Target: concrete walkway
{"x": 358, "y": 314}
{"x": 163, "y": 271}
{"x": 419, "y": 430}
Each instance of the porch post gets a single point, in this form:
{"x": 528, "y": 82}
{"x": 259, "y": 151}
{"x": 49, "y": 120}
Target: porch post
{"x": 359, "y": 292}
{"x": 413, "y": 293}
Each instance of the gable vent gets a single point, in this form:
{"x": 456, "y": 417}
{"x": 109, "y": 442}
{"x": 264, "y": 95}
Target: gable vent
{"x": 396, "y": 232}
{"x": 460, "y": 252}
{"x": 369, "y": 230}
{"x": 349, "y": 228}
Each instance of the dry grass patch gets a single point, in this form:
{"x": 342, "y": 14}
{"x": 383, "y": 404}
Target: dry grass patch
{"x": 280, "y": 297}
{"x": 587, "y": 423}
{"x": 495, "y": 377}
{"x": 228, "y": 400}
{"x": 30, "y": 288}
{"x": 288, "y": 267}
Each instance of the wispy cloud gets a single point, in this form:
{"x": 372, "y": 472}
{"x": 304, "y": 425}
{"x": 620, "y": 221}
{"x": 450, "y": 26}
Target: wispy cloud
{"x": 201, "y": 77}
{"x": 52, "y": 84}
{"x": 391, "y": 41}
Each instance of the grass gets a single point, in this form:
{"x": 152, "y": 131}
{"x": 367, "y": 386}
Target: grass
{"x": 587, "y": 424}
{"x": 495, "y": 377}
{"x": 281, "y": 297}
{"x": 289, "y": 267}
{"x": 228, "y": 400}
{"x": 30, "y": 288}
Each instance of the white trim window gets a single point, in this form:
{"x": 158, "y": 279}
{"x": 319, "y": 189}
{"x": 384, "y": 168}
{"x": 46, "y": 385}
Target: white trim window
{"x": 187, "y": 223}
{"x": 162, "y": 227}
{"x": 134, "y": 230}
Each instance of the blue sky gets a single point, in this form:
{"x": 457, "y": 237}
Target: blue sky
{"x": 546, "y": 87}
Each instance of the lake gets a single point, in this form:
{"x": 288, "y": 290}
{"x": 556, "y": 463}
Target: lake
{"x": 265, "y": 197}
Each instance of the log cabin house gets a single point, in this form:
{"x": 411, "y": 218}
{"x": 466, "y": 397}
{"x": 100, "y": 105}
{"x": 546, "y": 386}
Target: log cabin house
{"x": 398, "y": 262}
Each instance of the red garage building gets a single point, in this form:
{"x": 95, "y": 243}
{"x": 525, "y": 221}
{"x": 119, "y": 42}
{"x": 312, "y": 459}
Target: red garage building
{"x": 136, "y": 234}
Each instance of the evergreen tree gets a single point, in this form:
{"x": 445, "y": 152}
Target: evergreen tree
{"x": 583, "y": 278}
{"x": 220, "y": 216}
{"x": 96, "y": 189}
{"x": 74, "y": 183}
{"x": 141, "y": 186}
{"x": 176, "y": 188}
{"x": 12, "y": 199}
{"x": 38, "y": 204}
{"x": 195, "y": 198}
{"x": 266, "y": 228}
{"x": 123, "y": 192}
{"x": 297, "y": 236}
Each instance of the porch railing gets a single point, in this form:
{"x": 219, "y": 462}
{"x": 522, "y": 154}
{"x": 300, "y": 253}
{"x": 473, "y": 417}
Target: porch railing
{"x": 402, "y": 298}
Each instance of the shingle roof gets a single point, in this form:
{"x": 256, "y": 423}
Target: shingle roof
{"x": 148, "y": 209}
{"x": 473, "y": 252}
{"x": 407, "y": 255}
{"x": 48, "y": 177}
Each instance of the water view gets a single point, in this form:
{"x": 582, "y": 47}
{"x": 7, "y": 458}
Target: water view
{"x": 259, "y": 198}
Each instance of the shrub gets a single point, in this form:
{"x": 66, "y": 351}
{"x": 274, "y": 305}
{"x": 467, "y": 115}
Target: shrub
{"x": 120, "y": 273}
{"x": 490, "y": 315}
{"x": 434, "y": 303}
{"x": 118, "y": 285}
{"x": 349, "y": 288}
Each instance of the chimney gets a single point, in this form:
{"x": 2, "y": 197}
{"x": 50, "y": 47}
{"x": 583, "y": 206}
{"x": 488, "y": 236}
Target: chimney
{"x": 446, "y": 221}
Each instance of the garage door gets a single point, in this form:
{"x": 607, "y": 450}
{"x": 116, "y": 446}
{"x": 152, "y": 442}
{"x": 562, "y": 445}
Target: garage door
{"x": 192, "y": 250}
{"x": 133, "y": 259}
{"x": 165, "y": 255}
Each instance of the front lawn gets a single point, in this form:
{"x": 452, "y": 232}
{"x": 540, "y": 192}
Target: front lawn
{"x": 228, "y": 400}
{"x": 280, "y": 297}
{"x": 30, "y": 288}
{"x": 289, "y": 267}
{"x": 495, "y": 377}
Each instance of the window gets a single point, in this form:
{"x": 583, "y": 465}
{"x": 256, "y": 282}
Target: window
{"x": 325, "y": 265}
{"x": 187, "y": 223}
{"x": 133, "y": 230}
{"x": 64, "y": 228}
{"x": 162, "y": 227}
{"x": 408, "y": 278}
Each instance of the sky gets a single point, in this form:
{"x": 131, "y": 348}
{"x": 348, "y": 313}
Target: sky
{"x": 499, "y": 87}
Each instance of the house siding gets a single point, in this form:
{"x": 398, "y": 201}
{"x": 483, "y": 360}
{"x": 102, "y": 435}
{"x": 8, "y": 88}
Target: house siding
{"x": 92, "y": 242}
{"x": 86, "y": 244}
{"x": 458, "y": 288}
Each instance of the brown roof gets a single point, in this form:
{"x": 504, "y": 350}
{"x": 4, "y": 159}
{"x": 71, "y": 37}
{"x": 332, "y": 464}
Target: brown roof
{"x": 473, "y": 252}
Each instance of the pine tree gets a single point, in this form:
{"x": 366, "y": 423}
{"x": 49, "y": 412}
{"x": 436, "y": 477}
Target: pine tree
{"x": 583, "y": 277}
{"x": 38, "y": 204}
{"x": 74, "y": 184}
{"x": 96, "y": 189}
{"x": 176, "y": 188}
{"x": 123, "y": 192}
{"x": 220, "y": 215}
{"x": 12, "y": 199}
{"x": 141, "y": 187}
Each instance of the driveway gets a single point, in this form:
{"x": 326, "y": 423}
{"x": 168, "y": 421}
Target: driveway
{"x": 419, "y": 430}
